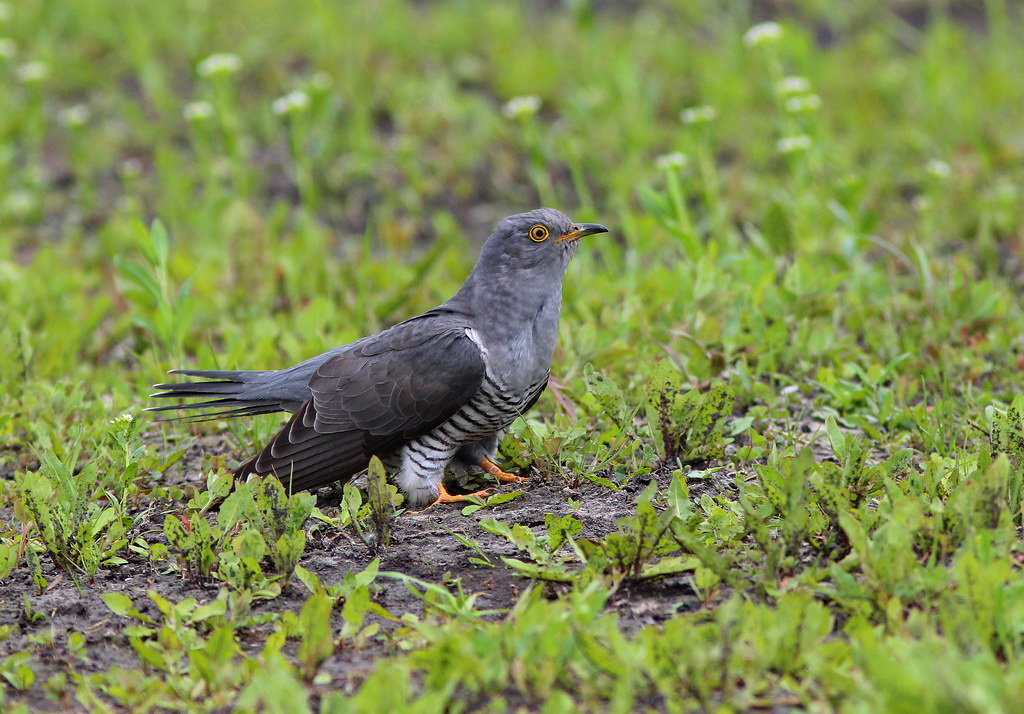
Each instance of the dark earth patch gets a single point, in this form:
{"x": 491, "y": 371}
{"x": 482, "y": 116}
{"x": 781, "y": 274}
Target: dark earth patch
{"x": 422, "y": 546}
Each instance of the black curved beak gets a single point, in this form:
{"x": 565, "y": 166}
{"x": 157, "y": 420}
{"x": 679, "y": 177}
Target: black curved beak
{"x": 583, "y": 229}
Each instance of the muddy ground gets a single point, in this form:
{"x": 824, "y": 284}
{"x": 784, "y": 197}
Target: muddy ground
{"x": 422, "y": 546}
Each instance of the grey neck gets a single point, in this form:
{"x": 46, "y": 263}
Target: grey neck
{"x": 515, "y": 312}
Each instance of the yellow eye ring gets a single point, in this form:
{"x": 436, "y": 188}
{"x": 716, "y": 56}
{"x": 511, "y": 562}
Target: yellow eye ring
{"x": 538, "y": 234}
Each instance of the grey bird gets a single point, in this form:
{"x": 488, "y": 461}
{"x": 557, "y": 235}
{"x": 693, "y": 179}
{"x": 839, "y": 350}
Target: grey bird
{"x": 442, "y": 386}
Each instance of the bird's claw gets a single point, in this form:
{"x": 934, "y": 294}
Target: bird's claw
{"x": 511, "y": 478}
{"x": 503, "y": 476}
{"x": 444, "y": 497}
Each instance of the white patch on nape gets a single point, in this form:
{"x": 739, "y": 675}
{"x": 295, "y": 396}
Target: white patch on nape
{"x": 475, "y": 338}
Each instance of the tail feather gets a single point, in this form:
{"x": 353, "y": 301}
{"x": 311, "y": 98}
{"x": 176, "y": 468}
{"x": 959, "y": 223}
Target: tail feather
{"x": 241, "y": 409}
{"x": 234, "y": 375}
{"x": 232, "y": 387}
{"x": 196, "y": 389}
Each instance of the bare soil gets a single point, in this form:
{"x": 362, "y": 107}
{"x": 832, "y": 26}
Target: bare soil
{"x": 421, "y": 546}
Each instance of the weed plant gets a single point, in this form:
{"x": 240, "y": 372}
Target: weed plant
{"x": 781, "y": 462}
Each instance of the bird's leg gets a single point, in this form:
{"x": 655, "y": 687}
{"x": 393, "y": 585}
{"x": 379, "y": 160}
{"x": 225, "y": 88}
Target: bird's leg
{"x": 503, "y": 476}
{"x": 445, "y": 497}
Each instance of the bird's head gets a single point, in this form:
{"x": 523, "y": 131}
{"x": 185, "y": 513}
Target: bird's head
{"x": 538, "y": 242}
{"x": 517, "y": 284}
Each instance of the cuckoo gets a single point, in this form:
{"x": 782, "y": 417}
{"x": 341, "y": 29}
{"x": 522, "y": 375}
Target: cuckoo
{"x": 442, "y": 386}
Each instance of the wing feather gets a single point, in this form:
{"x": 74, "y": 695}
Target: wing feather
{"x": 371, "y": 399}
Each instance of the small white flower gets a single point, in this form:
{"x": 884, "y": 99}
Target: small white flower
{"x": 19, "y": 203}
{"x": 32, "y": 72}
{"x": 131, "y": 168}
{"x": 792, "y": 144}
{"x": 807, "y": 103}
{"x": 218, "y": 64}
{"x": 292, "y": 103}
{"x": 524, "y": 107}
{"x": 939, "y": 168}
{"x": 75, "y": 115}
{"x": 321, "y": 82}
{"x": 794, "y": 85}
{"x": 698, "y": 115}
{"x": 197, "y": 111}
{"x": 673, "y": 161}
{"x": 123, "y": 427}
{"x": 123, "y": 420}
{"x": 8, "y": 48}
{"x": 762, "y": 34}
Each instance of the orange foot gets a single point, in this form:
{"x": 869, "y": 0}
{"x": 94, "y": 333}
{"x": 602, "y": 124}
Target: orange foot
{"x": 445, "y": 497}
{"x": 491, "y": 468}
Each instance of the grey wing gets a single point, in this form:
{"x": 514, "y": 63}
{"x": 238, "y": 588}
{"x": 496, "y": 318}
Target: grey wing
{"x": 372, "y": 399}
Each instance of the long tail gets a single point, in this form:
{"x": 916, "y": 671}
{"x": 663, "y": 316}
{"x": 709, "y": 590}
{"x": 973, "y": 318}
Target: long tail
{"x": 232, "y": 391}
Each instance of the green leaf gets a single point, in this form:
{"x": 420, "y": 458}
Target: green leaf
{"x": 139, "y": 276}
{"x": 118, "y": 603}
{"x": 148, "y": 654}
{"x": 177, "y": 536}
{"x": 559, "y": 529}
{"x": 249, "y": 544}
{"x": 354, "y": 610}
{"x": 379, "y": 496}
{"x": 157, "y": 247}
{"x": 539, "y": 572}
{"x": 213, "y": 609}
{"x": 495, "y": 500}
{"x": 836, "y": 438}
{"x": 777, "y": 229}
{"x": 315, "y": 629}
{"x": 670, "y": 566}
{"x": 220, "y": 646}
{"x": 121, "y": 604}
{"x": 288, "y": 551}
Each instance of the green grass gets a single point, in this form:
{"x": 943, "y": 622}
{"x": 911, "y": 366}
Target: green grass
{"x": 796, "y": 360}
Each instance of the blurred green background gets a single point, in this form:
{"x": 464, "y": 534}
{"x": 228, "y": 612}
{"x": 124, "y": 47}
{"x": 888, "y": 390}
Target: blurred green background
{"x": 801, "y": 193}
{"x": 817, "y": 224}
{"x": 306, "y": 156}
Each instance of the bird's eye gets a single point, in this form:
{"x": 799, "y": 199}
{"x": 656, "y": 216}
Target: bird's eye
{"x": 538, "y": 234}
